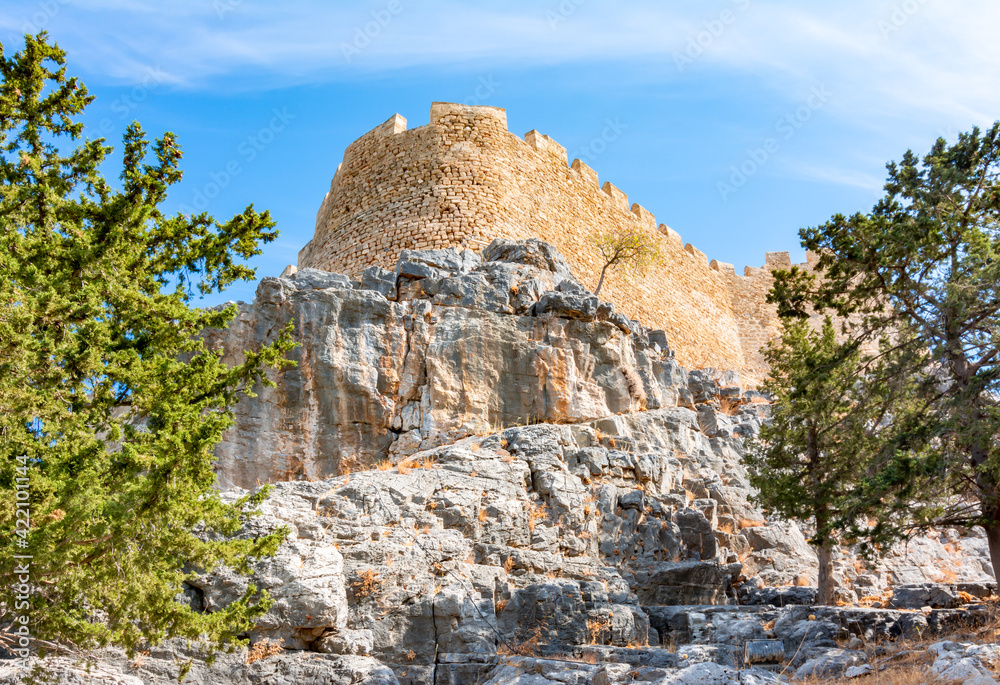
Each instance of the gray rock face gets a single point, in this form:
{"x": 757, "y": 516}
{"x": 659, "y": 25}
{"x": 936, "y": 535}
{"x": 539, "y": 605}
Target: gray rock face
{"x": 64, "y": 670}
{"x": 379, "y": 280}
{"x": 290, "y": 668}
{"x": 314, "y": 279}
{"x": 950, "y": 557}
{"x": 305, "y": 578}
{"x": 450, "y": 260}
{"x": 531, "y": 252}
{"x": 778, "y": 596}
{"x": 580, "y": 306}
{"x": 965, "y": 663}
{"x": 688, "y": 583}
{"x": 489, "y": 476}
{"x": 456, "y": 352}
{"x": 938, "y": 595}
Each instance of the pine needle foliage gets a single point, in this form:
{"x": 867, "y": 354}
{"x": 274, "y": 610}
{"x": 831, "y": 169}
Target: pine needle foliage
{"x": 809, "y": 457}
{"x": 922, "y": 271}
{"x": 110, "y": 402}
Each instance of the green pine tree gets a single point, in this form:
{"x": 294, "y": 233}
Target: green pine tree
{"x": 922, "y": 270}
{"x": 110, "y": 403}
{"x": 814, "y": 451}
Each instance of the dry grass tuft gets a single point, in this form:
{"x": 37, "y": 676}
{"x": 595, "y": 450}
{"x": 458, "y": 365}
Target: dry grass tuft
{"x": 407, "y": 465}
{"x": 730, "y": 406}
{"x": 599, "y": 629}
{"x": 749, "y": 523}
{"x": 948, "y": 575}
{"x": 535, "y": 512}
{"x": 348, "y": 465}
{"x": 263, "y": 649}
{"x": 527, "y": 647}
{"x": 366, "y": 584}
{"x": 967, "y": 598}
{"x": 726, "y": 528}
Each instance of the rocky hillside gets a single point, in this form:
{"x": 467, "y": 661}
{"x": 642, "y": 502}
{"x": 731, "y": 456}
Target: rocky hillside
{"x": 491, "y": 477}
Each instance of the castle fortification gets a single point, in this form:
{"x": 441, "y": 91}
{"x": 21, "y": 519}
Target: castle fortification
{"x": 463, "y": 180}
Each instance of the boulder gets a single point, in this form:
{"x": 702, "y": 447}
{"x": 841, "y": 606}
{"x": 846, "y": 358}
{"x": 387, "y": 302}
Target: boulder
{"x": 530, "y": 252}
{"x": 450, "y": 260}
{"x": 305, "y": 578}
{"x": 934, "y": 595}
{"x": 314, "y": 279}
{"x": 688, "y": 582}
{"x": 568, "y": 305}
{"x": 965, "y": 663}
{"x": 380, "y": 280}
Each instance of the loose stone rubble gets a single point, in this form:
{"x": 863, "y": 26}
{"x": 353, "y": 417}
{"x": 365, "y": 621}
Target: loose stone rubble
{"x": 500, "y": 480}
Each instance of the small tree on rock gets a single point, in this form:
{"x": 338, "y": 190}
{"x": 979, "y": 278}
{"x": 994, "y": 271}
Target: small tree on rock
{"x": 629, "y": 248}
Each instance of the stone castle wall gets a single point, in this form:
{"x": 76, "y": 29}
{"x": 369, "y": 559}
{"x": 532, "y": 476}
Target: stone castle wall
{"x": 463, "y": 180}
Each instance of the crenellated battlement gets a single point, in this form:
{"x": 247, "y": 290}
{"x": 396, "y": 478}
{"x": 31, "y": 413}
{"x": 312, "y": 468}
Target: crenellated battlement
{"x": 463, "y": 179}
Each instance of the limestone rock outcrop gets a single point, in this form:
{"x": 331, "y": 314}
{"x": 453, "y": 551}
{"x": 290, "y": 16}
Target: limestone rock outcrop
{"x": 458, "y": 347}
{"x": 489, "y": 476}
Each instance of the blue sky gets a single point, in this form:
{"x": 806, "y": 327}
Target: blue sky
{"x": 736, "y": 122}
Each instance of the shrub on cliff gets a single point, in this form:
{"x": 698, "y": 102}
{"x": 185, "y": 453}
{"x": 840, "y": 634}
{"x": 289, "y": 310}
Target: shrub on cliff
{"x": 921, "y": 272}
{"x": 110, "y": 404}
{"x": 630, "y": 249}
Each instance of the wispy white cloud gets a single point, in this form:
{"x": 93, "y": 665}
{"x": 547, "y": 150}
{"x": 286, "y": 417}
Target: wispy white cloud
{"x": 940, "y": 61}
{"x": 835, "y": 176}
